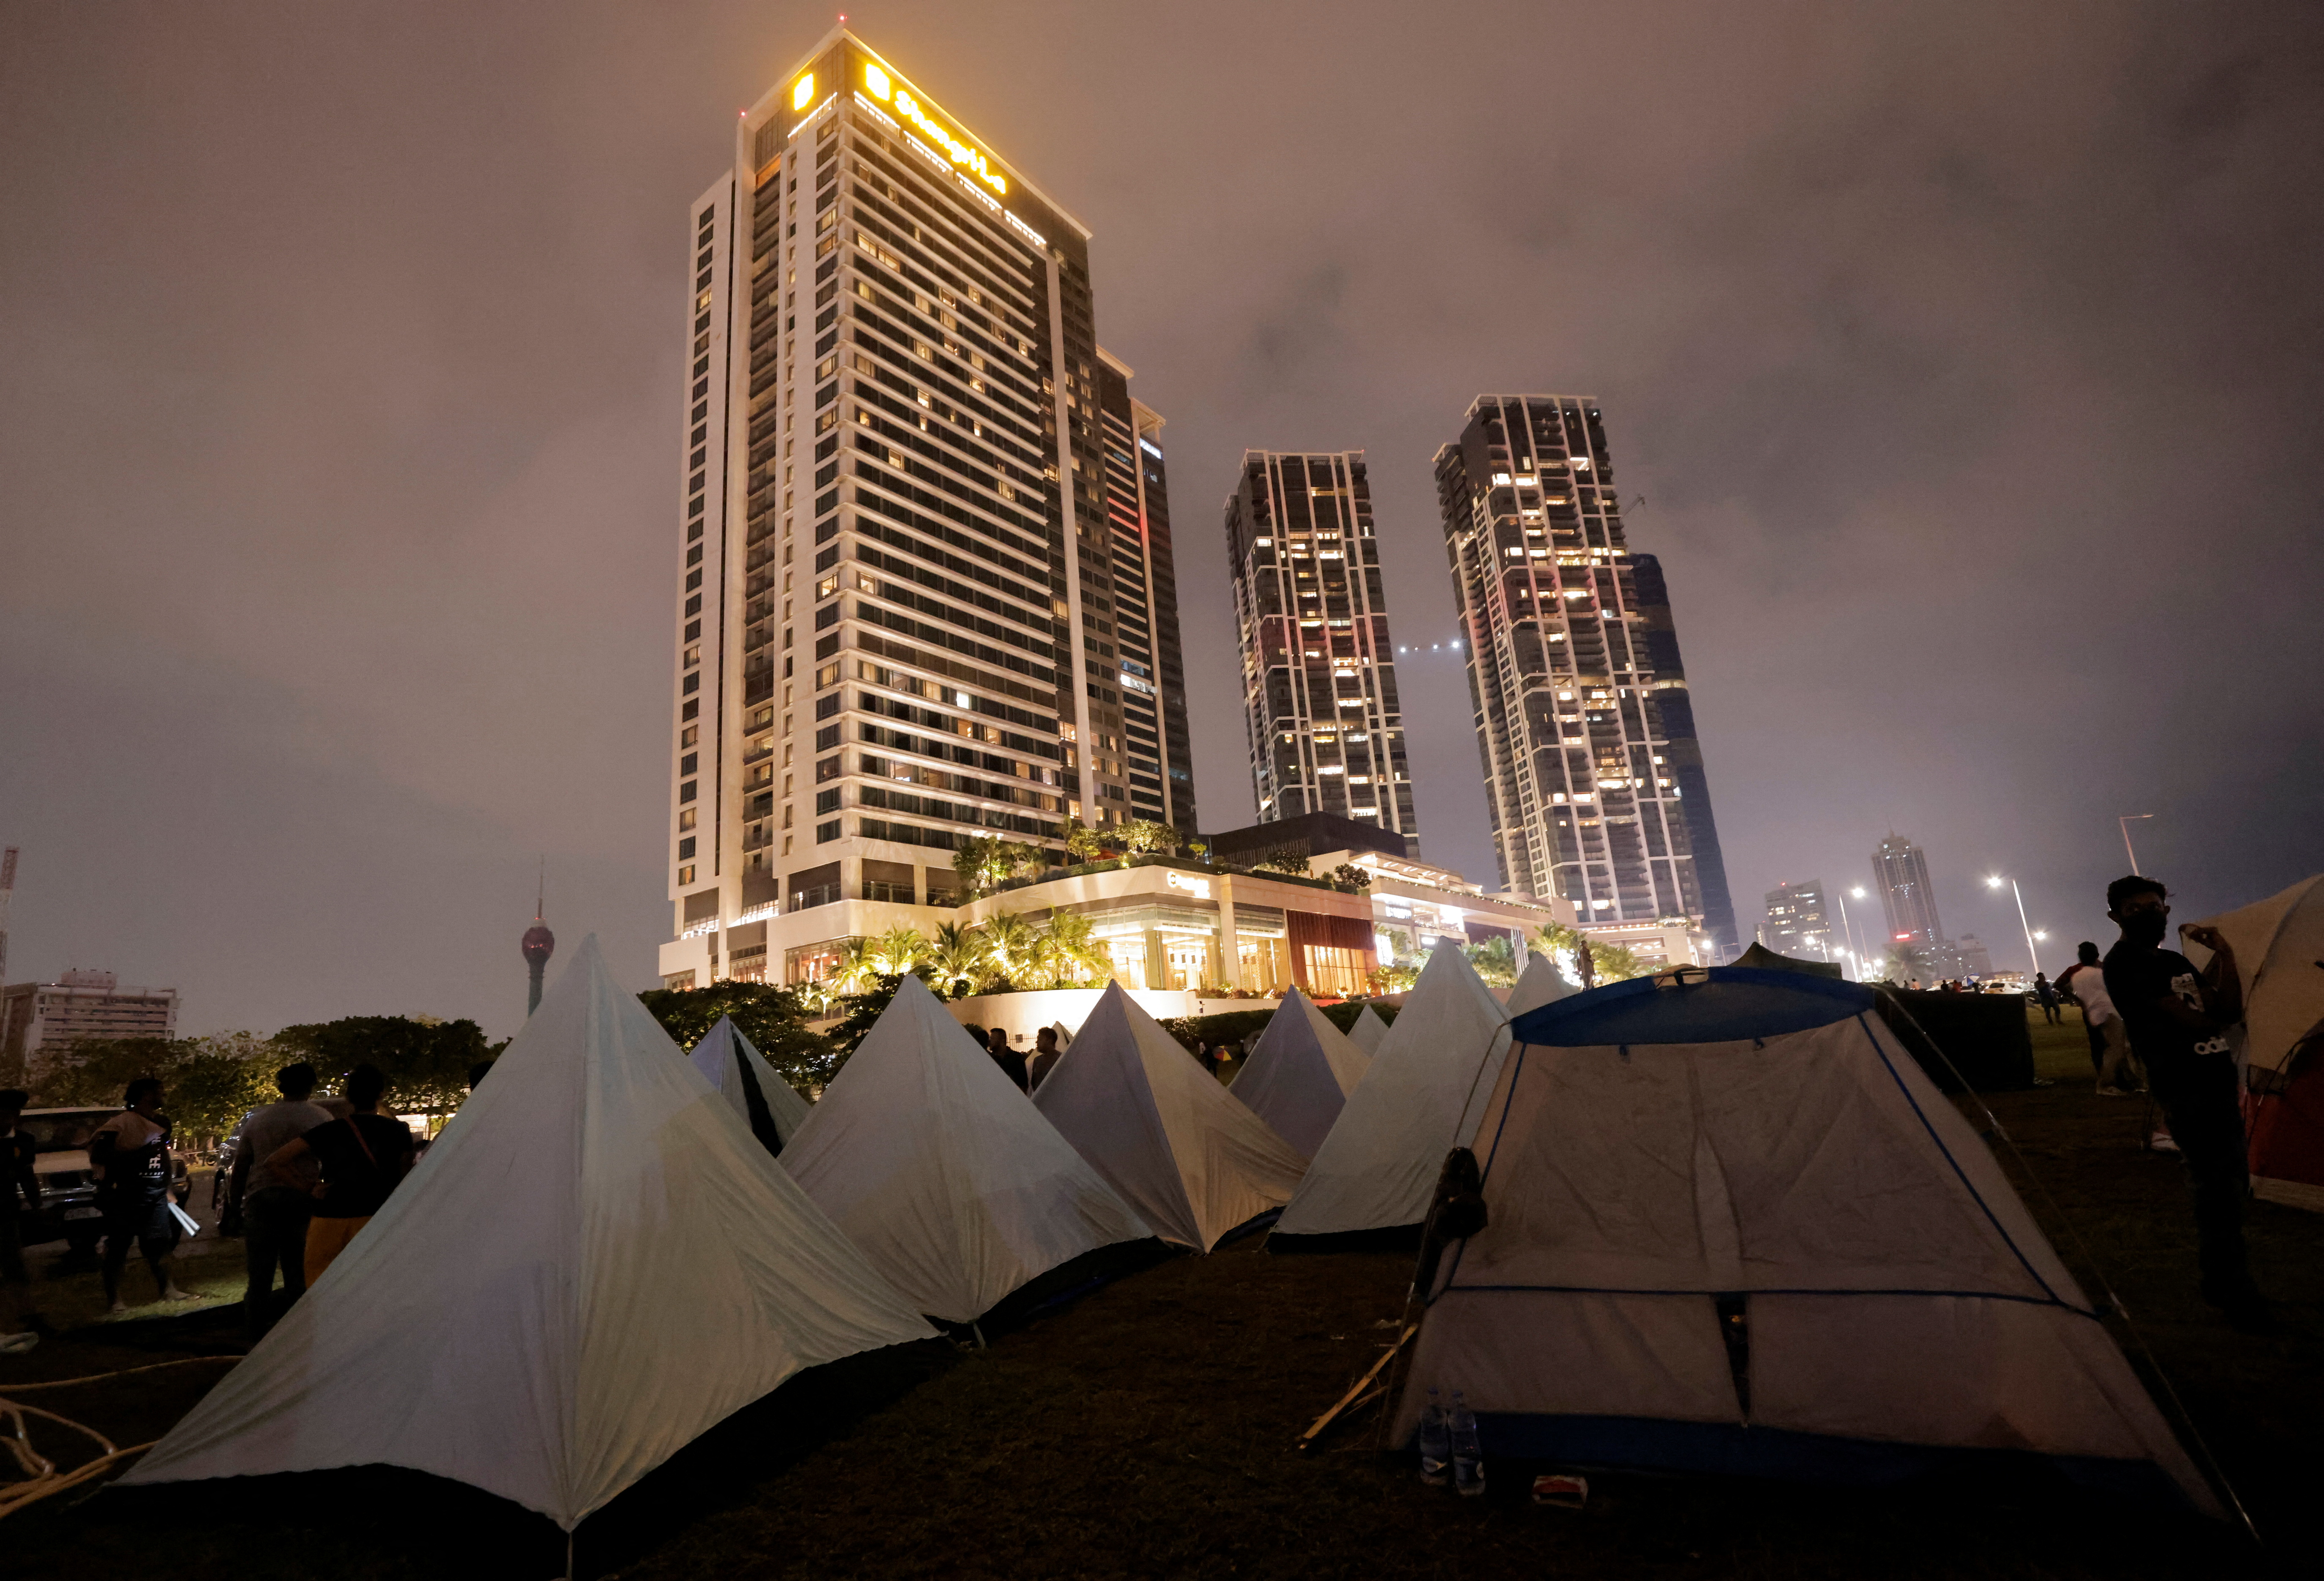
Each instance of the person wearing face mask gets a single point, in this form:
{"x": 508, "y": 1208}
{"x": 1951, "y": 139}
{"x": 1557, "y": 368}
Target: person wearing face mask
{"x": 2178, "y": 1019}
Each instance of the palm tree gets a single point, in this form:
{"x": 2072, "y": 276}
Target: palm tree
{"x": 1008, "y": 945}
{"x": 1496, "y": 960}
{"x": 896, "y": 951}
{"x": 958, "y": 957}
{"x": 1044, "y": 966}
{"x": 1906, "y": 962}
{"x": 1076, "y": 946}
{"x": 857, "y": 961}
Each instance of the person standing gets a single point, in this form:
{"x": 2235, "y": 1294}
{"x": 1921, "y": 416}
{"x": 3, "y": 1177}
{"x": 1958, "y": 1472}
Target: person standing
{"x": 276, "y": 1203}
{"x": 20, "y": 1193}
{"x": 2084, "y": 982}
{"x": 362, "y": 1158}
{"x": 2178, "y": 1019}
{"x": 2046, "y": 994}
{"x": 1011, "y": 1063}
{"x": 130, "y": 1153}
{"x": 1046, "y": 1053}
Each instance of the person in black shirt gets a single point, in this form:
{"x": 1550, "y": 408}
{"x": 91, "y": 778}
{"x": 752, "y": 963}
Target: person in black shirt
{"x": 1011, "y": 1063}
{"x": 364, "y": 1157}
{"x": 131, "y": 1154}
{"x": 2178, "y": 1020}
{"x": 1046, "y": 1053}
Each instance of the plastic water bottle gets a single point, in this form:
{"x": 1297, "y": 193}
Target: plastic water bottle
{"x": 1435, "y": 1444}
{"x": 1468, "y": 1462}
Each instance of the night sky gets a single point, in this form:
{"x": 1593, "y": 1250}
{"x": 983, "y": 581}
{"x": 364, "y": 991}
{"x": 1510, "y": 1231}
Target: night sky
{"x": 1966, "y": 359}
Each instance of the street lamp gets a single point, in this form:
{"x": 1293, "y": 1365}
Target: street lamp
{"x": 1851, "y": 927}
{"x": 2034, "y": 959}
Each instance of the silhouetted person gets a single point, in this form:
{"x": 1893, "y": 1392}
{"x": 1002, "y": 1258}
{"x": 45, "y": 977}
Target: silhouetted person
{"x": 2046, "y": 997}
{"x": 2084, "y": 982}
{"x": 1011, "y": 1063}
{"x": 1046, "y": 1053}
{"x": 364, "y": 1157}
{"x": 130, "y": 1153}
{"x": 2178, "y": 1019}
{"x": 19, "y": 1194}
{"x": 276, "y": 1203}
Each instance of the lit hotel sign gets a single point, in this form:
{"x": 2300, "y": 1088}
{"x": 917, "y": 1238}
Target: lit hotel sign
{"x": 1200, "y": 888}
{"x": 876, "y": 84}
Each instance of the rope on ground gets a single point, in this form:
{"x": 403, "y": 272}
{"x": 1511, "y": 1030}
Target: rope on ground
{"x": 40, "y": 1478}
{"x": 184, "y": 1361}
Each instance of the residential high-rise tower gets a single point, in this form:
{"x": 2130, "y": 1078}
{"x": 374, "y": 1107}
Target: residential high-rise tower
{"x": 1319, "y": 704}
{"x": 1901, "y": 868}
{"x": 1798, "y": 924}
{"x": 1594, "y": 781}
{"x": 904, "y": 590}
{"x": 1144, "y": 614}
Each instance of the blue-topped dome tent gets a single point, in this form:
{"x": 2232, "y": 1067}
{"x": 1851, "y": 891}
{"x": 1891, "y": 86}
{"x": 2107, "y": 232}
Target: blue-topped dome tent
{"x": 1732, "y": 1226}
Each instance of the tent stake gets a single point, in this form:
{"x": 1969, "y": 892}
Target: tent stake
{"x": 1307, "y": 1439}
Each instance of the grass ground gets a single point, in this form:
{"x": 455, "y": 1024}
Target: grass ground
{"x": 1148, "y": 1430}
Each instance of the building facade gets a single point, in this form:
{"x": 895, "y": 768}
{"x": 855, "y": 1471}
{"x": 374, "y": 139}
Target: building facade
{"x": 1320, "y": 706}
{"x": 40, "y": 1021}
{"x": 903, "y": 587}
{"x": 1156, "y": 742}
{"x": 1797, "y": 923}
{"x": 1594, "y": 778}
{"x": 1901, "y": 871}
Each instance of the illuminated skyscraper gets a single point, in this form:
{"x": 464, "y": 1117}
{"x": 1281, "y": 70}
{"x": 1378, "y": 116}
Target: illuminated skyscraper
{"x": 1320, "y": 705}
{"x": 1593, "y": 777}
{"x": 1902, "y": 870}
{"x": 907, "y": 617}
{"x": 1144, "y": 610}
{"x": 1798, "y": 924}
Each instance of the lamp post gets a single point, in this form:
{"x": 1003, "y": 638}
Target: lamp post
{"x": 1854, "y": 951}
{"x": 2033, "y": 958}
{"x": 2124, "y": 823}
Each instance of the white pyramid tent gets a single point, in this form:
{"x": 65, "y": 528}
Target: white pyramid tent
{"x": 1065, "y": 1038}
{"x": 1368, "y": 1031}
{"x": 1179, "y": 1147}
{"x": 739, "y": 1072}
{"x": 943, "y": 1172}
{"x": 1299, "y": 1075}
{"x": 1540, "y": 983}
{"x": 2279, "y": 949}
{"x": 1732, "y": 1226}
{"x": 1419, "y": 1101}
{"x": 594, "y": 1264}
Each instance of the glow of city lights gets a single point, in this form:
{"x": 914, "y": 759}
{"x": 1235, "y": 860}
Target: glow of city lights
{"x": 803, "y": 94}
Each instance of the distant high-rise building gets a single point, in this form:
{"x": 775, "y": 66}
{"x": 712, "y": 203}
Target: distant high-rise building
{"x": 907, "y": 618}
{"x": 1901, "y": 871}
{"x": 1975, "y": 959}
{"x": 40, "y": 1021}
{"x": 1145, "y": 605}
{"x": 1318, "y": 670}
{"x": 1797, "y": 924}
{"x": 1594, "y": 780}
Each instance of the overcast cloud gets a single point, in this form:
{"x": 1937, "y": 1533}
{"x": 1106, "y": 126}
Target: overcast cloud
{"x": 1966, "y": 358}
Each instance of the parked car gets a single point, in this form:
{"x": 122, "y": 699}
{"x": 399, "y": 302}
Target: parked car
{"x": 68, "y": 1211}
